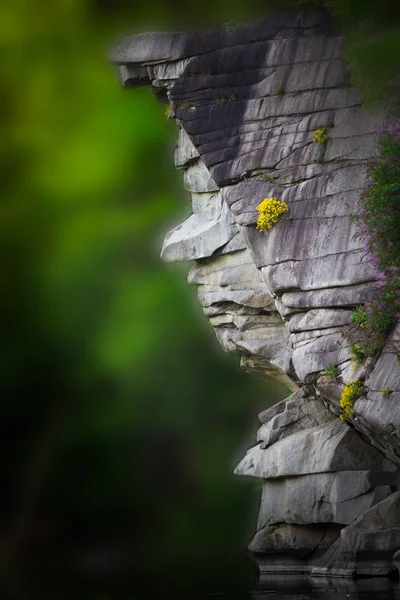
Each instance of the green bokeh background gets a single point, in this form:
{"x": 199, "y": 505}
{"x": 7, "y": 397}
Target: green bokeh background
{"x": 121, "y": 418}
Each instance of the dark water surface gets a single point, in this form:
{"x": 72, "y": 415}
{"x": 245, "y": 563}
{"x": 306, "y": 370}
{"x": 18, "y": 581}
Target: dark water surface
{"x": 297, "y": 588}
{"x": 273, "y": 588}
{"x": 195, "y": 583}
{"x": 294, "y": 588}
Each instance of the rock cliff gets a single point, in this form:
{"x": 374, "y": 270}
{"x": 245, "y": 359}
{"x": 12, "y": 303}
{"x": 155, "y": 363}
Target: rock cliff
{"x": 247, "y": 101}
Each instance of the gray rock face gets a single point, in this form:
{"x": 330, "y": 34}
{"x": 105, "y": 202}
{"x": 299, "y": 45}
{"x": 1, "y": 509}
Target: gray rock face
{"x": 297, "y": 541}
{"x": 368, "y": 545}
{"x": 383, "y": 385}
{"x": 166, "y": 47}
{"x": 247, "y": 101}
{"x": 300, "y": 453}
{"x": 300, "y": 413}
{"x": 230, "y": 287}
{"x": 198, "y": 179}
{"x": 305, "y": 457}
{"x": 318, "y": 354}
{"x": 199, "y": 236}
{"x": 321, "y": 498}
{"x": 345, "y": 269}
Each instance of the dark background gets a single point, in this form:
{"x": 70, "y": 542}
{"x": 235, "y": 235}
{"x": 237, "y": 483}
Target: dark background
{"x": 121, "y": 418}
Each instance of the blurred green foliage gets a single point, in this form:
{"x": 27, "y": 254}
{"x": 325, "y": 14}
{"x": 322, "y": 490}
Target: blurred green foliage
{"x": 372, "y": 47}
{"x": 121, "y": 418}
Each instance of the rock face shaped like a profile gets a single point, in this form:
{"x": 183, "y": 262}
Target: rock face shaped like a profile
{"x": 247, "y": 101}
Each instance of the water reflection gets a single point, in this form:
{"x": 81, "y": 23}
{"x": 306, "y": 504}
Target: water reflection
{"x": 302, "y": 588}
{"x": 194, "y": 583}
{"x": 279, "y": 588}
{"x": 305, "y": 588}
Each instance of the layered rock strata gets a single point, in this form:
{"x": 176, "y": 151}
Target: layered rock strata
{"x": 320, "y": 478}
{"x": 247, "y": 101}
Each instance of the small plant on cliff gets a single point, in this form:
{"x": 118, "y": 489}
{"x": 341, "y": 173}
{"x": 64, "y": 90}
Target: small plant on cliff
{"x": 386, "y": 391}
{"x": 268, "y": 178}
{"x": 320, "y": 160}
{"x": 170, "y": 112}
{"x": 331, "y": 371}
{"x": 278, "y": 91}
{"x": 271, "y": 210}
{"x": 351, "y": 392}
{"x": 357, "y": 353}
{"x": 321, "y": 135}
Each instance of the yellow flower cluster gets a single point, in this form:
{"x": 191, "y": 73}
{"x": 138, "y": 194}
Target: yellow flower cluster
{"x": 357, "y": 352}
{"x": 321, "y": 135}
{"x": 351, "y": 392}
{"x": 271, "y": 211}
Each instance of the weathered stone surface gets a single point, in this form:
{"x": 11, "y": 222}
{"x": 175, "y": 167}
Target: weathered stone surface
{"x": 167, "y": 72}
{"x": 377, "y": 412}
{"x": 185, "y": 152}
{"x": 222, "y": 271}
{"x": 318, "y": 354}
{"x": 329, "y": 182}
{"x": 302, "y": 338}
{"x": 296, "y": 400}
{"x": 163, "y": 47}
{"x": 367, "y": 545}
{"x": 254, "y": 298}
{"x": 237, "y": 132}
{"x": 198, "y": 179}
{"x": 234, "y": 244}
{"x": 319, "y": 319}
{"x": 351, "y": 148}
{"x": 262, "y": 366}
{"x": 396, "y": 560}
{"x": 274, "y": 52}
{"x": 350, "y": 122}
{"x": 334, "y": 205}
{"x": 381, "y": 410}
{"x": 296, "y": 417}
{"x": 323, "y": 498}
{"x": 222, "y": 114}
{"x": 377, "y": 416}
{"x": 206, "y": 202}
{"x": 335, "y": 270}
{"x": 386, "y": 374}
{"x": 283, "y": 134}
{"x": 199, "y": 236}
{"x": 270, "y": 344}
{"x": 285, "y": 311}
{"x": 275, "y": 149}
{"x": 246, "y": 322}
{"x": 133, "y": 76}
{"x": 350, "y": 370}
{"x": 300, "y": 454}
{"x": 343, "y": 296}
{"x": 231, "y": 308}
{"x": 296, "y": 540}
{"x": 301, "y": 239}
